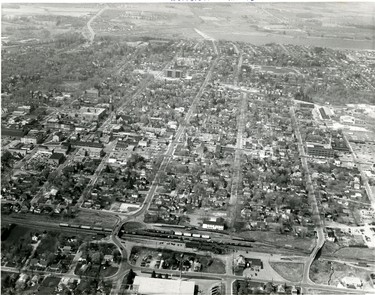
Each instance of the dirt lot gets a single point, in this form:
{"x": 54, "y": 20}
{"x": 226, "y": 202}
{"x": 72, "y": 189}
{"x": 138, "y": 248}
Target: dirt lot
{"x": 290, "y": 271}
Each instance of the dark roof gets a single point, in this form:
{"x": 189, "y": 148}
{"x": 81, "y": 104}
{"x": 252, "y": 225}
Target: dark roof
{"x": 217, "y": 222}
{"x": 12, "y": 132}
{"x": 88, "y": 144}
{"x": 57, "y": 156}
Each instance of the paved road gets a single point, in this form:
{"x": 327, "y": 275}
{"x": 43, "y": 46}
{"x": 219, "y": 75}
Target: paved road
{"x": 236, "y": 179}
{"x": 370, "y": 193}
{"x": 312, "y": 200}
{"x": 92, "y": 33}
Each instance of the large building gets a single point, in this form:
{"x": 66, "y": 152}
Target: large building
{"x": 153, "y": 286}
{"x": 320, "y": 151}
{"x": 172, "y": 73}
{"x": 91, "y": 114}
{"x": 214, "y": 224}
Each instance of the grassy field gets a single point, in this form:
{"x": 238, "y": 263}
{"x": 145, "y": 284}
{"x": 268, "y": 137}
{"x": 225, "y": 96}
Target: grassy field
{"x": 320, "y": 272}
{"x": 356, "y": 253}
{"x": 278, "y": 240}
{"x": 290, "y": 271}
{"x": 95, "y": 219}
{"x": 18, "y": 233}
{"x": 217, "y": 266}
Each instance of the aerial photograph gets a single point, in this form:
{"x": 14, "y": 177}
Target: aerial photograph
{"x": 188, "y": 148}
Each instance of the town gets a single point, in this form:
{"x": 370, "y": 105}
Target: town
{"x": 183, "y": 165}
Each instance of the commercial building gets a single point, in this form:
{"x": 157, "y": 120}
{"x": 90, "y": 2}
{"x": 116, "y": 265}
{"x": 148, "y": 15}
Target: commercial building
{"x": 172, "y": 73}
{"x": 320, "y": 151}
{"x": 91, "y": 114}
{"x": 153, "y": 286}
{"x": 56, "y": 158}
{"x": 33, "y": 137}
{"x": 214, "y": 224}
{"x": 94, "y": 149}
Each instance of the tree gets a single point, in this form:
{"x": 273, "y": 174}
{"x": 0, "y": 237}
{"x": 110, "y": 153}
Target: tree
{"x": 97, "y": 257}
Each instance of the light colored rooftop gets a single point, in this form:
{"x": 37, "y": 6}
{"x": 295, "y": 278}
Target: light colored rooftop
{"x": 153, "y": 286}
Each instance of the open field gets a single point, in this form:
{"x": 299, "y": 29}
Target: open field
{"x": 95, "y": 219}
{"x": 356, "y": 253}
{"x": 290, "y": 271}
{"x": 286, "y": 241}
{"x": 52, "y": 9}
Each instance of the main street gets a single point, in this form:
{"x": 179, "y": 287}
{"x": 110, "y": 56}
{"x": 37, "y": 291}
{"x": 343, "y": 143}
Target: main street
{"x": 312, "y": 200}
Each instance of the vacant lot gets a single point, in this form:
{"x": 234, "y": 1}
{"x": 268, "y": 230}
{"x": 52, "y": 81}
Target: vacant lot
{"x": 290, "y": 271}
{"x": 356, "y": 253}
{"x": 95, "y": 219}
{"x": 320, "y": 272}
{"x": 282, "y": 241}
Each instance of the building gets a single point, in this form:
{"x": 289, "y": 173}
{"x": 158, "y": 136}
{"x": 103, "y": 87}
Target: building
{"x": 172, "y": 73}
{"x": 33, "y": 137}
{"x": 91, "y": 114}
{"x": 255, "y": 263}
{"x": 94, "y": 149}
{"x": 20, "y": 148}
{"x": 319, "y": 151}
{"x": 56, "y": 124}
{"x": 153, "y": 286}
{"x": 58, "y": 136}
{"x": 214, "y": 224}
{"x": 12, "y": 132}
{"x": 352, "y": 282}
{"x": 347, "y": 120}
{"x": 56, "y": 158}
{"x": 92, "y": 93}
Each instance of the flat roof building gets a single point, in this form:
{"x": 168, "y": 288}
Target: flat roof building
{"x": 153, "y": 286}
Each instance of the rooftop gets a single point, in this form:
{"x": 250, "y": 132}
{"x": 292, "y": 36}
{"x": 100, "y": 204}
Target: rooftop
{"x": 151, "y": 286}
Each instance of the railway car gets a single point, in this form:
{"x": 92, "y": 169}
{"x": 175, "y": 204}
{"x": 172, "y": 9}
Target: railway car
{"x": 97, "y": 228}
{"x": 108, "y": 230}
{"x": 85, "y": 227}
{"x": 74, "y": 225}
{"x": 187, "y": 234}
{"x": 205, "y": 237}
{"x": 64, "y": 224}
{"x": 196, "y": 235}
{"x": 178, "y": 233}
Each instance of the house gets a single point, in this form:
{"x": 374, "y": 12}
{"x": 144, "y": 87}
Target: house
{"x": 56, "y": 158}
{"x": 240, "y": 261}
{"x": 255, "y": 263}
{"x": 58, "y": 136}
{"x": 107, "y": 258}
{"x": 214, "y": 224}
{"x": 67, "y": 250}
{"x": 352, "y": 282}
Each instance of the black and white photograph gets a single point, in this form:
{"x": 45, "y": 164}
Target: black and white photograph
{"x": 187, "y": 147}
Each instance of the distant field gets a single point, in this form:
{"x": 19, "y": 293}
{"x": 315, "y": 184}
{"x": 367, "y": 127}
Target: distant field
{"x": 70, "y": 10}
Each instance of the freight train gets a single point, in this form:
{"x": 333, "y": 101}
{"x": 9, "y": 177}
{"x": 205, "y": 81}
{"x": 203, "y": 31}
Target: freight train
{"x": 86, "y": 227}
